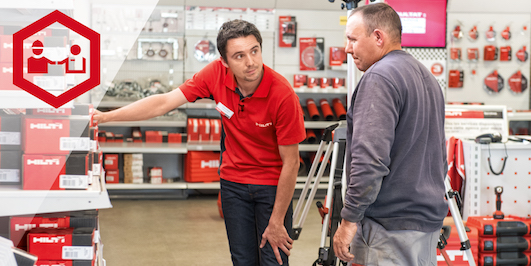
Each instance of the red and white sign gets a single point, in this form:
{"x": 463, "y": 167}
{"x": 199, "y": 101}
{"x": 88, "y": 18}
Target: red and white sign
{"x": 25, "y": 34}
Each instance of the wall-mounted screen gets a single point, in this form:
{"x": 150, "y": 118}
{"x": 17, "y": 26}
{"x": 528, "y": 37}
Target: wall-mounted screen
{"x": 423, "y": 22}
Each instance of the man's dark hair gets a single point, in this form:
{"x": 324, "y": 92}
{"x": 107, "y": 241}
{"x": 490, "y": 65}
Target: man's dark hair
{"x": 235, "y": 29}
{"x": 381, "y": 16}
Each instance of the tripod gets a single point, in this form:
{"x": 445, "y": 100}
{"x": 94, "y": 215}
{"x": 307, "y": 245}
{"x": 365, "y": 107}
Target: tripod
{"x": 334, "y": 200}
{"x": 334, "y": 145}
{"x": 451, "y": 196}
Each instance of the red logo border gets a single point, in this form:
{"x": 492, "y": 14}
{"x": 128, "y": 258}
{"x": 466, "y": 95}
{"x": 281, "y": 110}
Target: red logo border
{"x": 18, "y": 58}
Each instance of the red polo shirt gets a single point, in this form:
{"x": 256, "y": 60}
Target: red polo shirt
{"x": 253, "y": 127}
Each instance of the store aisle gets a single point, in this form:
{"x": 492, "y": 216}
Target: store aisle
{"x": 182, "y": 232}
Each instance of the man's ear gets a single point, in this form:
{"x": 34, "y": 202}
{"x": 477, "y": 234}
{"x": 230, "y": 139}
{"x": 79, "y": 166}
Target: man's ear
{"x": 224, "y": 62}
{"x": 379, "y": 37}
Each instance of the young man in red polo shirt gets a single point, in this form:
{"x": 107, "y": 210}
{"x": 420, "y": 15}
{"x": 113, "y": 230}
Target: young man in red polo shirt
{"x": 262, "y": 126}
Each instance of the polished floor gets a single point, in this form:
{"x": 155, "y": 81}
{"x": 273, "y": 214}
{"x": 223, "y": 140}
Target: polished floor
{"x": 182, "y": 232}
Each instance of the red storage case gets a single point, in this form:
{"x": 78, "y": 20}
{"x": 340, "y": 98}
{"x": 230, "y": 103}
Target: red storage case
{"x": 504, "y": 258}
{"x": 453, "y": 248}
{"x": 504, "y": 244}
{"x": 65, "y": 262}
{"x": 489, "y": 227}
{"x": 62, "y": 244}
{"x": 112, "y": 176}
{"x": 201, "y": 166}
{"x": 110, "y": 161}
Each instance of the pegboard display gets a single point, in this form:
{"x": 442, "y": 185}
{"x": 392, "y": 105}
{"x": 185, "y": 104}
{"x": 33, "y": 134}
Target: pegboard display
{"x": 487, "y": 60}
{"x": 434, "y": 59}
{"x": 515, "y": 179}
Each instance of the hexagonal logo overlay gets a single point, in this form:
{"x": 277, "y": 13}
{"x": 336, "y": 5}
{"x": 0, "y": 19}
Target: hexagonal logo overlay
{"x": 18, "y": 59}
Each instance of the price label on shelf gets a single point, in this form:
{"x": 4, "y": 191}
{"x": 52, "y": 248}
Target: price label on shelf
{"x": 9, "y": 138}
{"x": 73, "y": 181}
{"x": 78, "y": 253}
{"x": 74, "y": 144}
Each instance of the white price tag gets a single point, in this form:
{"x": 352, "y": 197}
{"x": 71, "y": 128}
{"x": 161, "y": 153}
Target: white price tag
{"x": 96, "y": 169}
{"x": 9, "y": 175}
{"x": 74, "y": 144}
{"x": 9, "y": 138}
{"x": 73, "y": 181}
{"x": 78, "y": 253}
{"x": 94, "y": 146}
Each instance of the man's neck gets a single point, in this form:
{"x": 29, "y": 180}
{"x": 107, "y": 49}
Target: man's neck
{"x": 248, "y": 87}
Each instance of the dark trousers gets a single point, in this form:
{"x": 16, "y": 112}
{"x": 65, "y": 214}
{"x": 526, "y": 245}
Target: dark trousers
{"x": 247, "y": 209}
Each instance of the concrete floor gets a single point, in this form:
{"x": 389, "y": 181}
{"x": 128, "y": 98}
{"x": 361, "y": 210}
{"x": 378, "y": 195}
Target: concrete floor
{"x": 182, "y": 232}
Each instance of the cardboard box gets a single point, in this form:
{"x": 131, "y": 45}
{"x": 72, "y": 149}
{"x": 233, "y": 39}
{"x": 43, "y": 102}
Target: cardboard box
{"x": 112, "y": 176}
{"x": 110, "y": 161}
{"x": 193, "y": 129}
{"x": 62, "y": 244}
{"x": 10, "y": 167}
{"x": 55, "y": 136}
{"x": 134, "y": 177}
{"x": 19, "y": 226}
{"x": 215, "y": 129}
{"x": 55, "y": 172}
{"x": 299, "y": 80}
{"x": 175, "y": 138}
{"x": 153, "y": 136}
{"x": 202, "y": 166}
{"x": 204, "y": 129}
{"x": 65, "y": 262}
{"x": 155, "y": 175}
{"x": 6, "y": 76}
{"x": 10, "y": 132}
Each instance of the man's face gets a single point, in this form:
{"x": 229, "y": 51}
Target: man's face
{"x": 362, "y": 47}
{"x": 244, "y": 58}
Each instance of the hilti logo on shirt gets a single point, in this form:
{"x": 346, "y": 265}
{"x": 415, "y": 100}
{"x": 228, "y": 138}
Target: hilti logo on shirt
{"x": 49, "y": 240}
{"x": 51, "y": 111}
{"x": 43, "y": 162}
{"x": 46, "y": 126}
{"x": 210, "y": 164}
{"x": 27, "y": 227}
{"x": 264, "y": 125}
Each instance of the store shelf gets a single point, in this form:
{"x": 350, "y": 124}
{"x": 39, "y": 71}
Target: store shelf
{"x": 147, "y": 123}
{"x": 519, "y": 116}
{"x": 107, "y": 147}
{"x": 201, "y": 104}
{"x": 212, "y": 185}
{"x": 203, "y": 146}
{"x": 14, "y": 201}
{"x": 320, "y": 124}
{"x": 176, "y": 185}
{"x": 182, "y": 123}
{"x": 178, "y": 148}
{"x": 330, "y": 90}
